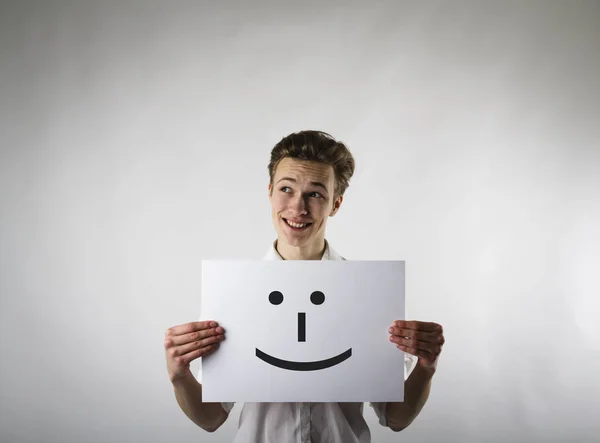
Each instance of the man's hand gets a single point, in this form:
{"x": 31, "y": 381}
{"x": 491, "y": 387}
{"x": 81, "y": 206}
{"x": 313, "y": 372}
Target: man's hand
{"x": 422, "y": 339}
{"x": 185, "y": 343}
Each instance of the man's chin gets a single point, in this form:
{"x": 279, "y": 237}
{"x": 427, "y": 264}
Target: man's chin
{"x": 294, "y": 240}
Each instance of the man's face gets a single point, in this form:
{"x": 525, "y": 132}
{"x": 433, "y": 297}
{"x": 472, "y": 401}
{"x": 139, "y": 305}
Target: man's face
{"x": 302, "y": 197}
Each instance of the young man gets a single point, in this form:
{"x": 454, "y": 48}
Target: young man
{"x": 309, "y": 173}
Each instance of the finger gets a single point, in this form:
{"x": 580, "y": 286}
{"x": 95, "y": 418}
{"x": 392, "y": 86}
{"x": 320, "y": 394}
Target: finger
{"x": 416, "y": 352}
{"x": 416, "y": 344}
{"x": 418, "y": 325}
{"x": 192, "y": 336}
{"x": 198, "y": 344}
{"x": 186, "y": 359}
{"x": 211, "y": 349}
{"x": 191, "y": 327}
{"x": 431, "y": 337}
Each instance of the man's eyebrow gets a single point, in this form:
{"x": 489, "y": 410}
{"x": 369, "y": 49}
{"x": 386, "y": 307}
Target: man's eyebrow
{"x": 318, "y": 184}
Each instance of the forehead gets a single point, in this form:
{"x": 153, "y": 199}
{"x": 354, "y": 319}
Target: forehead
{"x": 302, "y": 170}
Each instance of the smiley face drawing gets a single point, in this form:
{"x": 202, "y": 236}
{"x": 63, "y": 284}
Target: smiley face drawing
{"x": 317, "y": 298}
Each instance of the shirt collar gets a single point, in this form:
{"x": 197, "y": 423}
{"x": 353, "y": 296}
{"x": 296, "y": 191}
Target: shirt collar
{"x": 329, "y": 254}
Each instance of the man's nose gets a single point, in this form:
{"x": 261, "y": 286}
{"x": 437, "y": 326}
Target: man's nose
{"x": 298, "y": 204}
{"x": 301, "y": 326}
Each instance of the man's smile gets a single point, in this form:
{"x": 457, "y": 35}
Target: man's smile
{"x": 297, "y": 226}
{"x": 303, "y": 366}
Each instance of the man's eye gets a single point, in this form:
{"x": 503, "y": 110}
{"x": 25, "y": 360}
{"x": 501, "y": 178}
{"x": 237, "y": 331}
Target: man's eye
{"x": 316, "y": 194}
{"x": 285, "y": 189}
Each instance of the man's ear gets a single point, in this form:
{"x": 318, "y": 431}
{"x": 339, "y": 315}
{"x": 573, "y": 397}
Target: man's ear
{"x": 270, "y": 187}
{"x": 336, "y": 205}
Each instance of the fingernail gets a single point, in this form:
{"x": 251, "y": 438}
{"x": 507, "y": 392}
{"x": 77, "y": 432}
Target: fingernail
{"x": 391, "y": 330}
{"x": 213, "y": 324}
{"x": 219, "y": 330}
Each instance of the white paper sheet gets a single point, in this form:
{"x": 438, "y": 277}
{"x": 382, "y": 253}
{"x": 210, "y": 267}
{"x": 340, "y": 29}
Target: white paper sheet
{"x": 280, "y": 352}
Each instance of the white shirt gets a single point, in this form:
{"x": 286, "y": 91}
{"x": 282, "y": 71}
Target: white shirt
{"x": 308, "y": 422}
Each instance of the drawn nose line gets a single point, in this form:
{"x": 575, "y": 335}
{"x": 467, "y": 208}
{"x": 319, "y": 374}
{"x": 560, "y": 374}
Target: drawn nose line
{"x": 301, "y": 326}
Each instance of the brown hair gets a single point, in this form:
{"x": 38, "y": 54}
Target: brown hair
{"x": 316, "y": 146}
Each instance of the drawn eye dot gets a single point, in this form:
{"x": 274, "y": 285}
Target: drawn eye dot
{"x": 317, "y": 298}
{"x": 276, "y": 298}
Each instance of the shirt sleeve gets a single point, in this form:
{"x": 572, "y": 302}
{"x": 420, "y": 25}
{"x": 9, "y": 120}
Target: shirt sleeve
{"x": 380, "y": 408}
{"x": 228, "y": 406}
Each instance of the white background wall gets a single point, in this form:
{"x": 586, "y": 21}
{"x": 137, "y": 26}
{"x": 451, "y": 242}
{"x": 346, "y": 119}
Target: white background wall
{"x": 134, "y": 143}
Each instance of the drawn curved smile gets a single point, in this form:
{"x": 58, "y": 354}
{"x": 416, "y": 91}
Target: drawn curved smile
{"x": 306, "y": 365}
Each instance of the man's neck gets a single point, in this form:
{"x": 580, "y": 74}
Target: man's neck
{"x": 313, "y": 251}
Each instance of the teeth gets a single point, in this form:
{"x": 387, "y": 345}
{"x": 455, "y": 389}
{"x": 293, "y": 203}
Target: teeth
{"x": 296, "y": 225}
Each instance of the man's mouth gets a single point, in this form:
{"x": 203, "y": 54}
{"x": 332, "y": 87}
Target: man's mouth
{"x": 296, "y": 226}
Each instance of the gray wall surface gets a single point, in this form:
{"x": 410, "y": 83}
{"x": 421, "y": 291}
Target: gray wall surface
{"x": 134, "y": 142}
